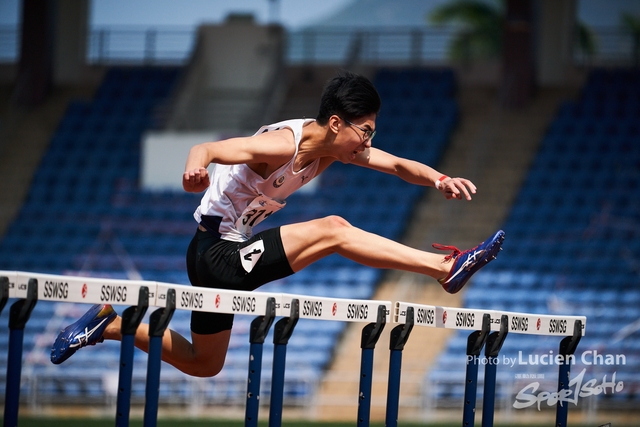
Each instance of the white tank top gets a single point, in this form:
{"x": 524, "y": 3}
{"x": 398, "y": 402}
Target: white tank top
{"x": 242, "y": 198}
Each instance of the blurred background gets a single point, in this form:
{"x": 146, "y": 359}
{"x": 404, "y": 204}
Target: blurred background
{"x": 536, "y": 101}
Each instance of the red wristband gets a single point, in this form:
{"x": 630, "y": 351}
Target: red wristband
{"x": 439, "y": 181}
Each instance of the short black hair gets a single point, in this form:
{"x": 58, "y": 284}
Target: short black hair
{"x": 349, "y": 96}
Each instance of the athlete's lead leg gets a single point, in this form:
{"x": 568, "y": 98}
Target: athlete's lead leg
{"x": 307, "y": 242}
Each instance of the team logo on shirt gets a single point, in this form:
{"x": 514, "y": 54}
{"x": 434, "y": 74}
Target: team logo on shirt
{"x": 278, "y": 182}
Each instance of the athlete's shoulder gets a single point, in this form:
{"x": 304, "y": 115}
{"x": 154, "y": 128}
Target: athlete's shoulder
{"x": 294, "y": 125}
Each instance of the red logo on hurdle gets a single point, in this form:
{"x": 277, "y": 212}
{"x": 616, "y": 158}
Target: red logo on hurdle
{"x": 538, "y": 323}
{"x": 444, "y": 317}
{"x": 84, "y": 290}
{"x": 217, "y": 300}
{"x": 334, "y": 309}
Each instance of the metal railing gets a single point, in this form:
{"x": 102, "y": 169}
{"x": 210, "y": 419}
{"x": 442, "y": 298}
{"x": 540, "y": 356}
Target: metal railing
{"x": 318, "y": 46}
{"x": 399, "y": 45}
{"x": 613, "y": 46}
{"x": 389, "y": 45}
{"x": 155, "y": 45}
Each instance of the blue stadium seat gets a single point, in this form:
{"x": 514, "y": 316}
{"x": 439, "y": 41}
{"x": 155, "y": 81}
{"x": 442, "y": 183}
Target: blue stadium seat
{"x": 567, "y": 230}
{"x": 87, "y": 219}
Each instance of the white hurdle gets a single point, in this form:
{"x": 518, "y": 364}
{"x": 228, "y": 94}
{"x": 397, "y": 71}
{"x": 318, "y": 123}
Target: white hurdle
{"x": 488, "y": 327}
{"x": 491, "y": 327}
{"x": 167, "y": 297}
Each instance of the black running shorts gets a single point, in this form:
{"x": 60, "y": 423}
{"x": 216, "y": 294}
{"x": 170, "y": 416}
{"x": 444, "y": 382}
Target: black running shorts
{"x": 215, "y": 263}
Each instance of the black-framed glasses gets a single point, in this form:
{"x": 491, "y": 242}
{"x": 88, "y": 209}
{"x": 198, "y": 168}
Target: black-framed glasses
{"x": 367, "y": 134}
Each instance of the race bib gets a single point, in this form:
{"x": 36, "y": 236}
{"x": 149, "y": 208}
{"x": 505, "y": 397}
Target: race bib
{"x": 260, "y": 208}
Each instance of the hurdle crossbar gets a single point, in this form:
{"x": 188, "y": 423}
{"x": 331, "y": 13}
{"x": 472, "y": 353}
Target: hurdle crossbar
{"x": 90, "y": 290}
{"x": 489, "y": 327}
{"x": 471, "y": 319}
{"x": 500, "y": 324}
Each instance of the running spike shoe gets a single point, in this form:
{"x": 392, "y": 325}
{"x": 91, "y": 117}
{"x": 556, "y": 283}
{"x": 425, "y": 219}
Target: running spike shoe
{"x": 468, "y": 262}
{"x": 88, "y": 330}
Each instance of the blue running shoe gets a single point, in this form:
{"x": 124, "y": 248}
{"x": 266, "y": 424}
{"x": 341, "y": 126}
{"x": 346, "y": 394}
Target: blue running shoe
{"x": 88, "y": 330}
{"x": 468, "y": 262}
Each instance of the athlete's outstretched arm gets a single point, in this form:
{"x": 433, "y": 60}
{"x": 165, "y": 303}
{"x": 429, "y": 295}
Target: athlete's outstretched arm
{"x": 270, "y": 148}
{"x": 415, "y": 173}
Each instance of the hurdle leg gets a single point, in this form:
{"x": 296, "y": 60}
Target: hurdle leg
{"x": 131, "y": 319}
{"x": 370, "y": 335}
{"x": 494, "y": 344}
{"x": 18, "y": 317}
{"x": 399, "y": 336}
{"x": 259, "y": 329}
{"x": 158, "y": 322}
{"x": 282, "y": 332}
{"x": 475, "y": 342}
{"x": 4, "y": 292}
{"x": 567, "y": 348}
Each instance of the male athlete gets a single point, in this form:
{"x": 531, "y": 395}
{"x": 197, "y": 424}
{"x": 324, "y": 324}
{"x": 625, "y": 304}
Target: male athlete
{"x": 252, "y": 178}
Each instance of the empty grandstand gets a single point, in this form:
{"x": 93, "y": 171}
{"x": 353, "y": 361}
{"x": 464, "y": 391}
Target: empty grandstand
{"x": 572, "y": 226}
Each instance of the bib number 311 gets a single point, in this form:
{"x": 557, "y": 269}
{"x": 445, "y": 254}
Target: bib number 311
{"x": 258, "y": 210}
